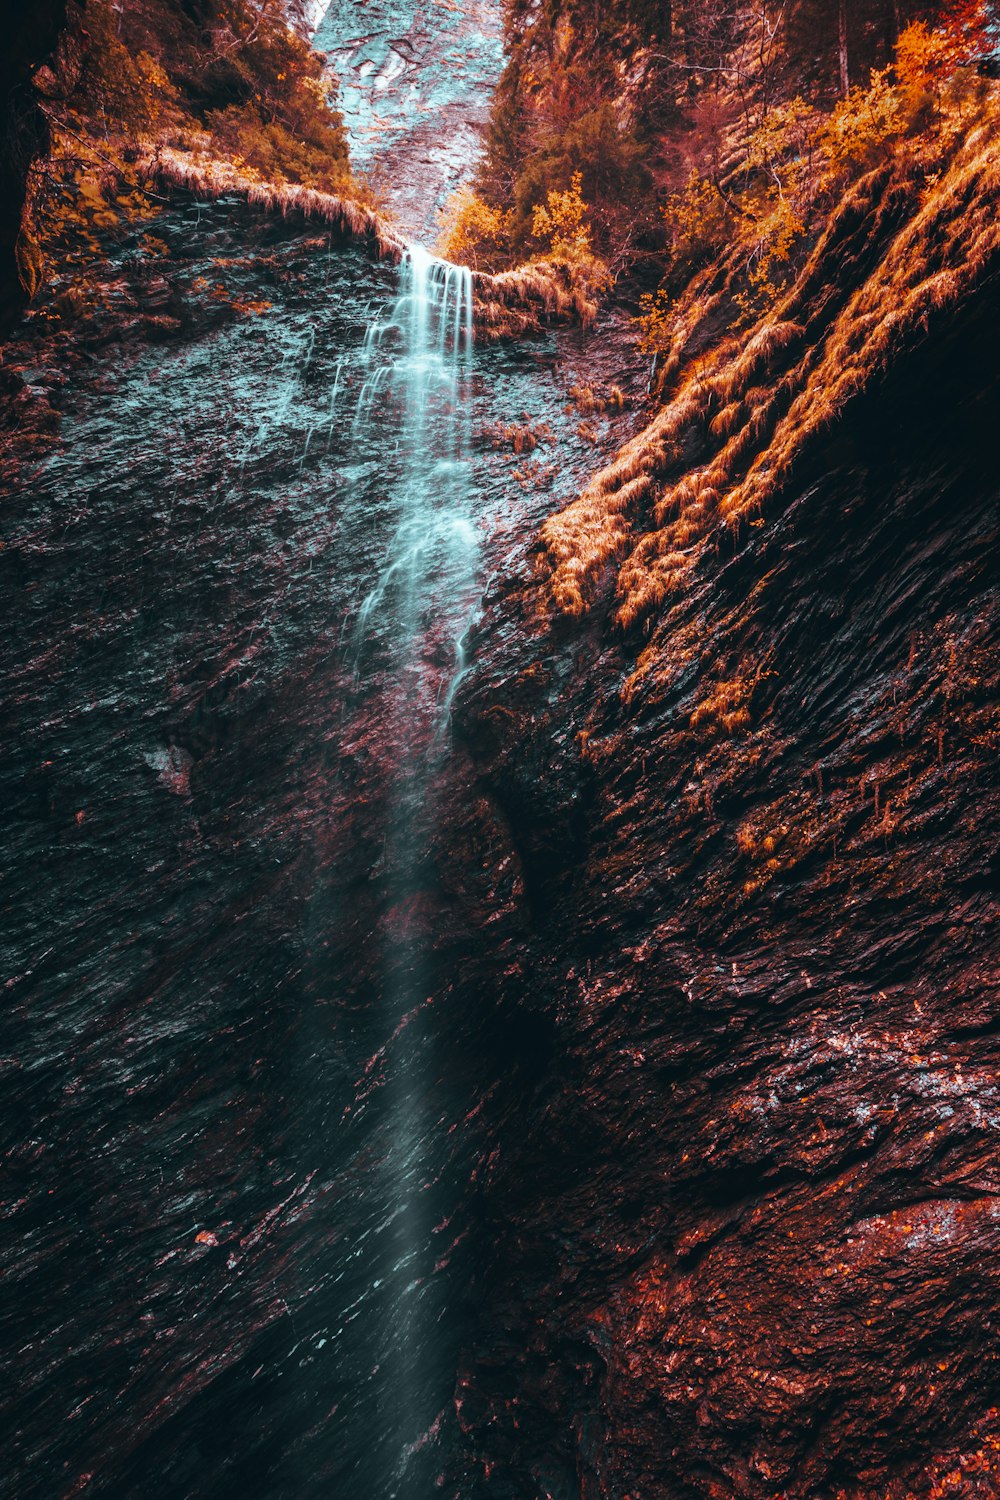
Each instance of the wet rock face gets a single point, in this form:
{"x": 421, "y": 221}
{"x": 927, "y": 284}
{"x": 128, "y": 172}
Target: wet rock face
{"x": 415, "y": 83}
{"x": 263, "y": 972}
{"x": 748, "y": 1233}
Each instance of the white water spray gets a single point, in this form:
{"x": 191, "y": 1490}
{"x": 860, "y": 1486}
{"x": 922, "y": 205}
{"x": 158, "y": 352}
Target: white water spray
{"x": 412, "y": 428}
{"x": 418, "y": 359}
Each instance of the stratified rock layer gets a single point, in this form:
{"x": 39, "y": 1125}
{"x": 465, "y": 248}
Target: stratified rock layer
{"x": 747, "y": 1231}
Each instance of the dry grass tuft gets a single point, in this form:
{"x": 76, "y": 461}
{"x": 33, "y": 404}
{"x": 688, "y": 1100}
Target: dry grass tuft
{"x": 726, "y": 709}
{"x": 588, "y": 401}
{"x": 210, "y": 177}
{"x": 519, "y": 437}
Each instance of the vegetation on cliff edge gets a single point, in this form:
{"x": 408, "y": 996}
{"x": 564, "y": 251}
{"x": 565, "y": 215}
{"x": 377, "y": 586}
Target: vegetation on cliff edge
{"x": 214, "y": 82}
{"x": 812, "y": 238}
{"x": 678, "y": 132}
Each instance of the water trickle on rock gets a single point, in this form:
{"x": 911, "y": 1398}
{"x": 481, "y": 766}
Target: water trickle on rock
{"x": 418, "y": 360}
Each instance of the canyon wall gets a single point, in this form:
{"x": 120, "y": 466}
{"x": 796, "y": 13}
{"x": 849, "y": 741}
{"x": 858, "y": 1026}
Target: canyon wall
{"x": 747, "y": 1228}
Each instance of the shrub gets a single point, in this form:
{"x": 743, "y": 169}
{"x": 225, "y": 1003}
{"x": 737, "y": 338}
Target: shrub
{"x": 122, "y": 91}
{"x": 259, "y": 88}
{"x": 560, "y": 223}
{"x": 861, "y": 130}
{"x": 269, "y": 149}
{"x": 607, "y": 158}
{"x": 698, "y": 222}
{"x": 560, "y": 229}
{"x": 281, "y": 121}
{"x": 926, "y": 56}
{"x": 769, "y": 265}
{"x": 473, "y": 233}
{"x": 656, "y": 322}
{"x": 921, "y": 57}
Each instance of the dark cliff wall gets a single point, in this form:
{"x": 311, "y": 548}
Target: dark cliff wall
{"x": 747, "y": 1243}
{"x": 30, "y": 34}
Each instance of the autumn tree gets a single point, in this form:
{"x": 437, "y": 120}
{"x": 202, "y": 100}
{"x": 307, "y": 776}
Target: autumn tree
{"x": 556, "y": 114}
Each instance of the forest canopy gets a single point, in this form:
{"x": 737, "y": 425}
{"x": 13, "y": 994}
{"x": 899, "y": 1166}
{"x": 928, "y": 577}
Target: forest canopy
{"x": 689, "y": 124}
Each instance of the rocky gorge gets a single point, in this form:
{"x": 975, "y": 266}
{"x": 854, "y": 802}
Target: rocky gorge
{"x": 476, "y": 1025}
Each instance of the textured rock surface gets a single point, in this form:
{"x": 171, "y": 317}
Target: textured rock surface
{"x": 702, "y": 1087}
{"x": 214, "y": 1097}
{"x": 707, "y": 1064}
{"x": 748, "y": 1231}
{"x": 415, "y": 84}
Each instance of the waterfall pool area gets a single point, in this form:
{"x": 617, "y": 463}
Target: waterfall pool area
{"x": 248, "y": 1136}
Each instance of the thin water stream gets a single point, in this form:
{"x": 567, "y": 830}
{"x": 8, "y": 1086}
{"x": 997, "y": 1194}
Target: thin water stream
{"x": 417, "y": 366}
{"x": 419, "y": 359}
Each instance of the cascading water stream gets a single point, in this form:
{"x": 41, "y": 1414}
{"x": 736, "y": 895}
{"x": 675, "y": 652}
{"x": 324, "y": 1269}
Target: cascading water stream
{"x": 408, "y": 631}
{"x": 419, "y": 364}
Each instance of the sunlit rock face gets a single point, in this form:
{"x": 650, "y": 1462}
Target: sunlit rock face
{"x": 416, "y": 82}
{"x": 307, "y": 13}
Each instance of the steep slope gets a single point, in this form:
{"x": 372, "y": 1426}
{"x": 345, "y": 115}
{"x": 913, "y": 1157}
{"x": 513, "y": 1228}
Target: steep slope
{"x": 747, "y": 1240}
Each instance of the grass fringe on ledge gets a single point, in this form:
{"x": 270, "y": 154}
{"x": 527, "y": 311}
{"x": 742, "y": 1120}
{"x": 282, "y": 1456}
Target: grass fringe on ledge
{"x": 508, "y": 305}
{"x": 213, "y": 178}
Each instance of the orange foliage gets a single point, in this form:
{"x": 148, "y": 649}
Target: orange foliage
{"x": 741, "y": 417}
{"x": 926, "y": 56}
{"x": 966, "y": 26}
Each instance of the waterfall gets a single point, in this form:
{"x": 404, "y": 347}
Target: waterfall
{"x": 417, "y": 365}
{"x": 412, "y": 424}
